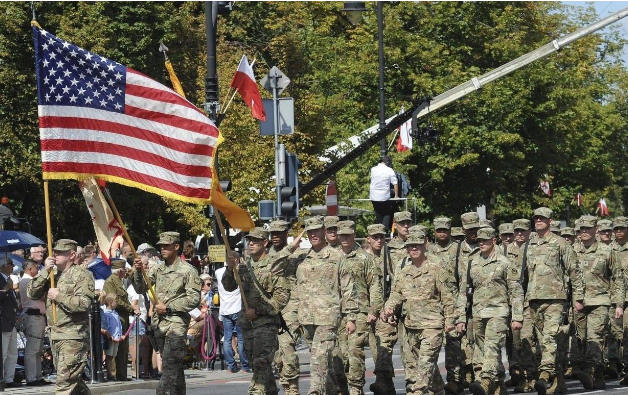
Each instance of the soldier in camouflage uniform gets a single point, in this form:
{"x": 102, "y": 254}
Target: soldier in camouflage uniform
{"x": 604, "y": 288}
{"x": 286, "y": 358}
{"x": 331, "y": 231}
{"x": 506, "y": 236}
{"x": 457, "y": 234}
{"x": 73, "y": 296}
{"x": 491, "y": 284}
{"x": 620, "y": 246}
{"x": 605, "y": 231}
{"x": 318, "y": 292}
{"x": 428, "y": 284}
{"x": 551, "y": 263}
{"x": 177, "y": 289}
{"x": 568, "y": 234}
{"x": 555, "y": 227}
{"x": 359, "y": 269}
{"x": 265, "y": 292}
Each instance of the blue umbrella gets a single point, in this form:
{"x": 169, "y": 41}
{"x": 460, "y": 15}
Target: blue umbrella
{"x": 11, "y": 240}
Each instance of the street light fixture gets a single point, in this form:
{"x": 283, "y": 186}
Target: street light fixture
{"x": 354, "y": 10}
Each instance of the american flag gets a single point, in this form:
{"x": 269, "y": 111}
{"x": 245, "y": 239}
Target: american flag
{"x": 100, "y": 118}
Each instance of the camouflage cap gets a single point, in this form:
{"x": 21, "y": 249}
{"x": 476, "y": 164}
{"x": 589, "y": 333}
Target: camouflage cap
{"x": 485, "y": 223}
{"x": 278, "y": 225}
{"x": 567, "y": 231}
{"x": 346, "y": 227}
{"x": 145, "y": 247}
{"x": 65, "y": 245}
{"x": 521, "y": 223}
{"x": 417, "y": 229}
{"x": 415, "y": 239}
{"x": 620, "y": 222}
{"x": 258, "y": 233}
{"x": 604, "y": 224}
{"x": 403, "y": 216}
{"x": 470, "y": 220}
{"x": 442, "y": 223}
{"x": 331, "y": 221}
{"x": 169, "y": 238}
{"x": 486, "y": 233}
{"x": 543, "y": 212}
{"x": 506, "y": 228}
{"x": 457, "y": 231}
{"x": 376, "y": 229}
{"x": 118, "y": 263}
{"x": 314, "y": 223}
{"x": 588, "y": 221}
{"x": 554, "y": 226}
{"x": 577, "y": 225}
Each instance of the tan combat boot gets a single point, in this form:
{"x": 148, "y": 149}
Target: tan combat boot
{"x": 542, "y": 383}
{"x": 292, "y": 388}
{"x": 483, "y": 387}
{"x": 383, "y": 385}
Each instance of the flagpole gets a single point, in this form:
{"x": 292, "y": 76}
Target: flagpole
{"x": 151, "y": 294}
{"x": 49, "y": 239}
{"x": 235, "y": 268}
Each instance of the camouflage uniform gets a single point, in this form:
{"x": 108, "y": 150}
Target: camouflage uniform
{"x": 496, "y": 290}
{"x": 179, "y": 288}
{"x": 433, "y": 288}
{"x": 551, "y": 264}
{"x": 621, "y": 252}
{"x": 69, "y": 336}
{"x": 267, "y": 296}
{"x": 318, "y": 293}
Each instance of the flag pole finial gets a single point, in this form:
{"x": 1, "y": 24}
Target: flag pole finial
{"x": 163, "y": 48}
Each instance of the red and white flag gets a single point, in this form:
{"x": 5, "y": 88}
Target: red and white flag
{"x": 603, "y": 208}
{"x": 578, "y": 199}
{"x": 545, "y": 187}
{"x": 404, "y": 141}
{"x": 108, "y": 230}
{"x": 244, "y": 82}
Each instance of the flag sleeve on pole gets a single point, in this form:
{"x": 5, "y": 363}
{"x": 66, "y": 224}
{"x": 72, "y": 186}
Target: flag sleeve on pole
{"x": 176, "y": 85}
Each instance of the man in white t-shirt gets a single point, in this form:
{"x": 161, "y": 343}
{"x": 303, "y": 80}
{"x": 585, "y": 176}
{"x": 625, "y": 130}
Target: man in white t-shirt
{"x": 382, "y": 176}
{"x": 230, "y": 306}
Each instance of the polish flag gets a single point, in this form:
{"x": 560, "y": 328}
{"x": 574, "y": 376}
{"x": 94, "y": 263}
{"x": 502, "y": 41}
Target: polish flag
{"x": 603, "y": 208}
{"x": 545, "y": 187}
{"x": 404, "y": 142}
{"x": 578, "y": 199}
{"x": 244, "y": 82}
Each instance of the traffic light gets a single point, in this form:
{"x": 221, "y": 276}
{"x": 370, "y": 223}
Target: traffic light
{"x": 290, "y": 190}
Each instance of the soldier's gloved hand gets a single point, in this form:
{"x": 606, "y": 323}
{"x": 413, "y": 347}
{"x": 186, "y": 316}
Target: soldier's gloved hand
{"x": 52, "y": 293}
{"x": 516, "y": 325}
{"x": 371, "y": 319}
{"x": 461, "y": 327}
{"x": 137, "y": 263}
{"x": 619, "y": 312}
{"x": 578, "y": 306}
{"x": 50, "y": 263}
{"x": 350, "y": 327}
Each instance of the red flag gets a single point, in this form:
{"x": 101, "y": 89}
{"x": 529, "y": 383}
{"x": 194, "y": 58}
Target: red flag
{"x": 545, "y": 187}
{"x": 245, "y": 84}
{"x": 603, "y": 208}
{"x": 578, "y": 199}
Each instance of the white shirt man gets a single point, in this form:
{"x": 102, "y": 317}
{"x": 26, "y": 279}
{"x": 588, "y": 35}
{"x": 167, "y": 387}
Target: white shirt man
{"x": 382, "y": 176}
{"x": 230, "y": 302}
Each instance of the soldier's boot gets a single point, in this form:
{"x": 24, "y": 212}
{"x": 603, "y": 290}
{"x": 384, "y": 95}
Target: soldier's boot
{"x": 562, "y": 385}
{"x": 500, "y": 388}
{"x": 542, "y": 383}
{"x": 483, "y": 387}
{"x": 524, "y": 384}
{"x": 569, "y": 372}
{"x": 552, "y": 388}
{"x": 469, "y": 376}
{"x": 383, "y": 385}
{"x": 454, "y": 388}
{"x": 598, "y": 379}
{"x": 611, "y": 370}
{"x": 586, "y": 378}
{"x": 515, "y": 377}
{"x": 624, "y": 381}
{"x": 292, "y": 388}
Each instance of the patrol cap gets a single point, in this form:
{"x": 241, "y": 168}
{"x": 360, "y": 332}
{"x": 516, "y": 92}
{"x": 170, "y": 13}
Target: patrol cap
{"x": 456, "y": 231}
{"x": 604, "y": 224}
{"x": 521, "y": 223}
{"x": 543, "y": 212}
{"x": 415, "y": 239}
{"x": 331, "y": 221}
{"x": 278, "y": 225}
{"x": 470, "y": 220}
{"x": 169, "y": 238}
{"x": 417, "y": 229}
{"x": 346, "y": 227}
{"x": 485, "y": 223}
{"x": 620, "y": 222}
{"x": 442, "y": 223}
{"x": 314, "y": 223}
{"x": 567, "y": 231}
{"x": 577, "y": 225}
{"x": 403, "y": 216}
{"x": 506, "y": 228}
{"x": 258, "y": 233}
{"x": 554, "y": 226}
{"x": 144, "y": 247}
{"x": 65, "y": 245}
{"x": 486, "y": 233}
{"x": 588, "y": 221}
{"x": 376, "y": 229}
{"x": 118, "y": 263}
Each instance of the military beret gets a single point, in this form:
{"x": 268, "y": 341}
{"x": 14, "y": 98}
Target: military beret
{"x": 604, "y": 224}
{"x": 506, "y": 228}
{"x": 415, "y": 239}
{"x": 554, "y": 226}
{"x": 169, "y": 238}
{"x": 442, "y": 223}
{"x": 588, "y": 221}
{"x": 620, "y": 222}
{"x": 486, "y": 233}
{"x": 376, "y": 229}
{"x": 346, "y": 227}
{"x": 258, "y": 233}
{"x": 278, "y": 226}
{"x": 521, "y": 223}
{"x": 65, "y": 245}
{"x": 118, "y": 263}
{"x": 485, "y": 223}
{"x": 470, "y": 220}
{"x": 567, "y": 231}
{"x": 543, "y": 212}
{"x": 331, "y": 221}
{"x": 403, "y": 216}
{"x": 314, "y": 223}
{"x": 457, "y": 231}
